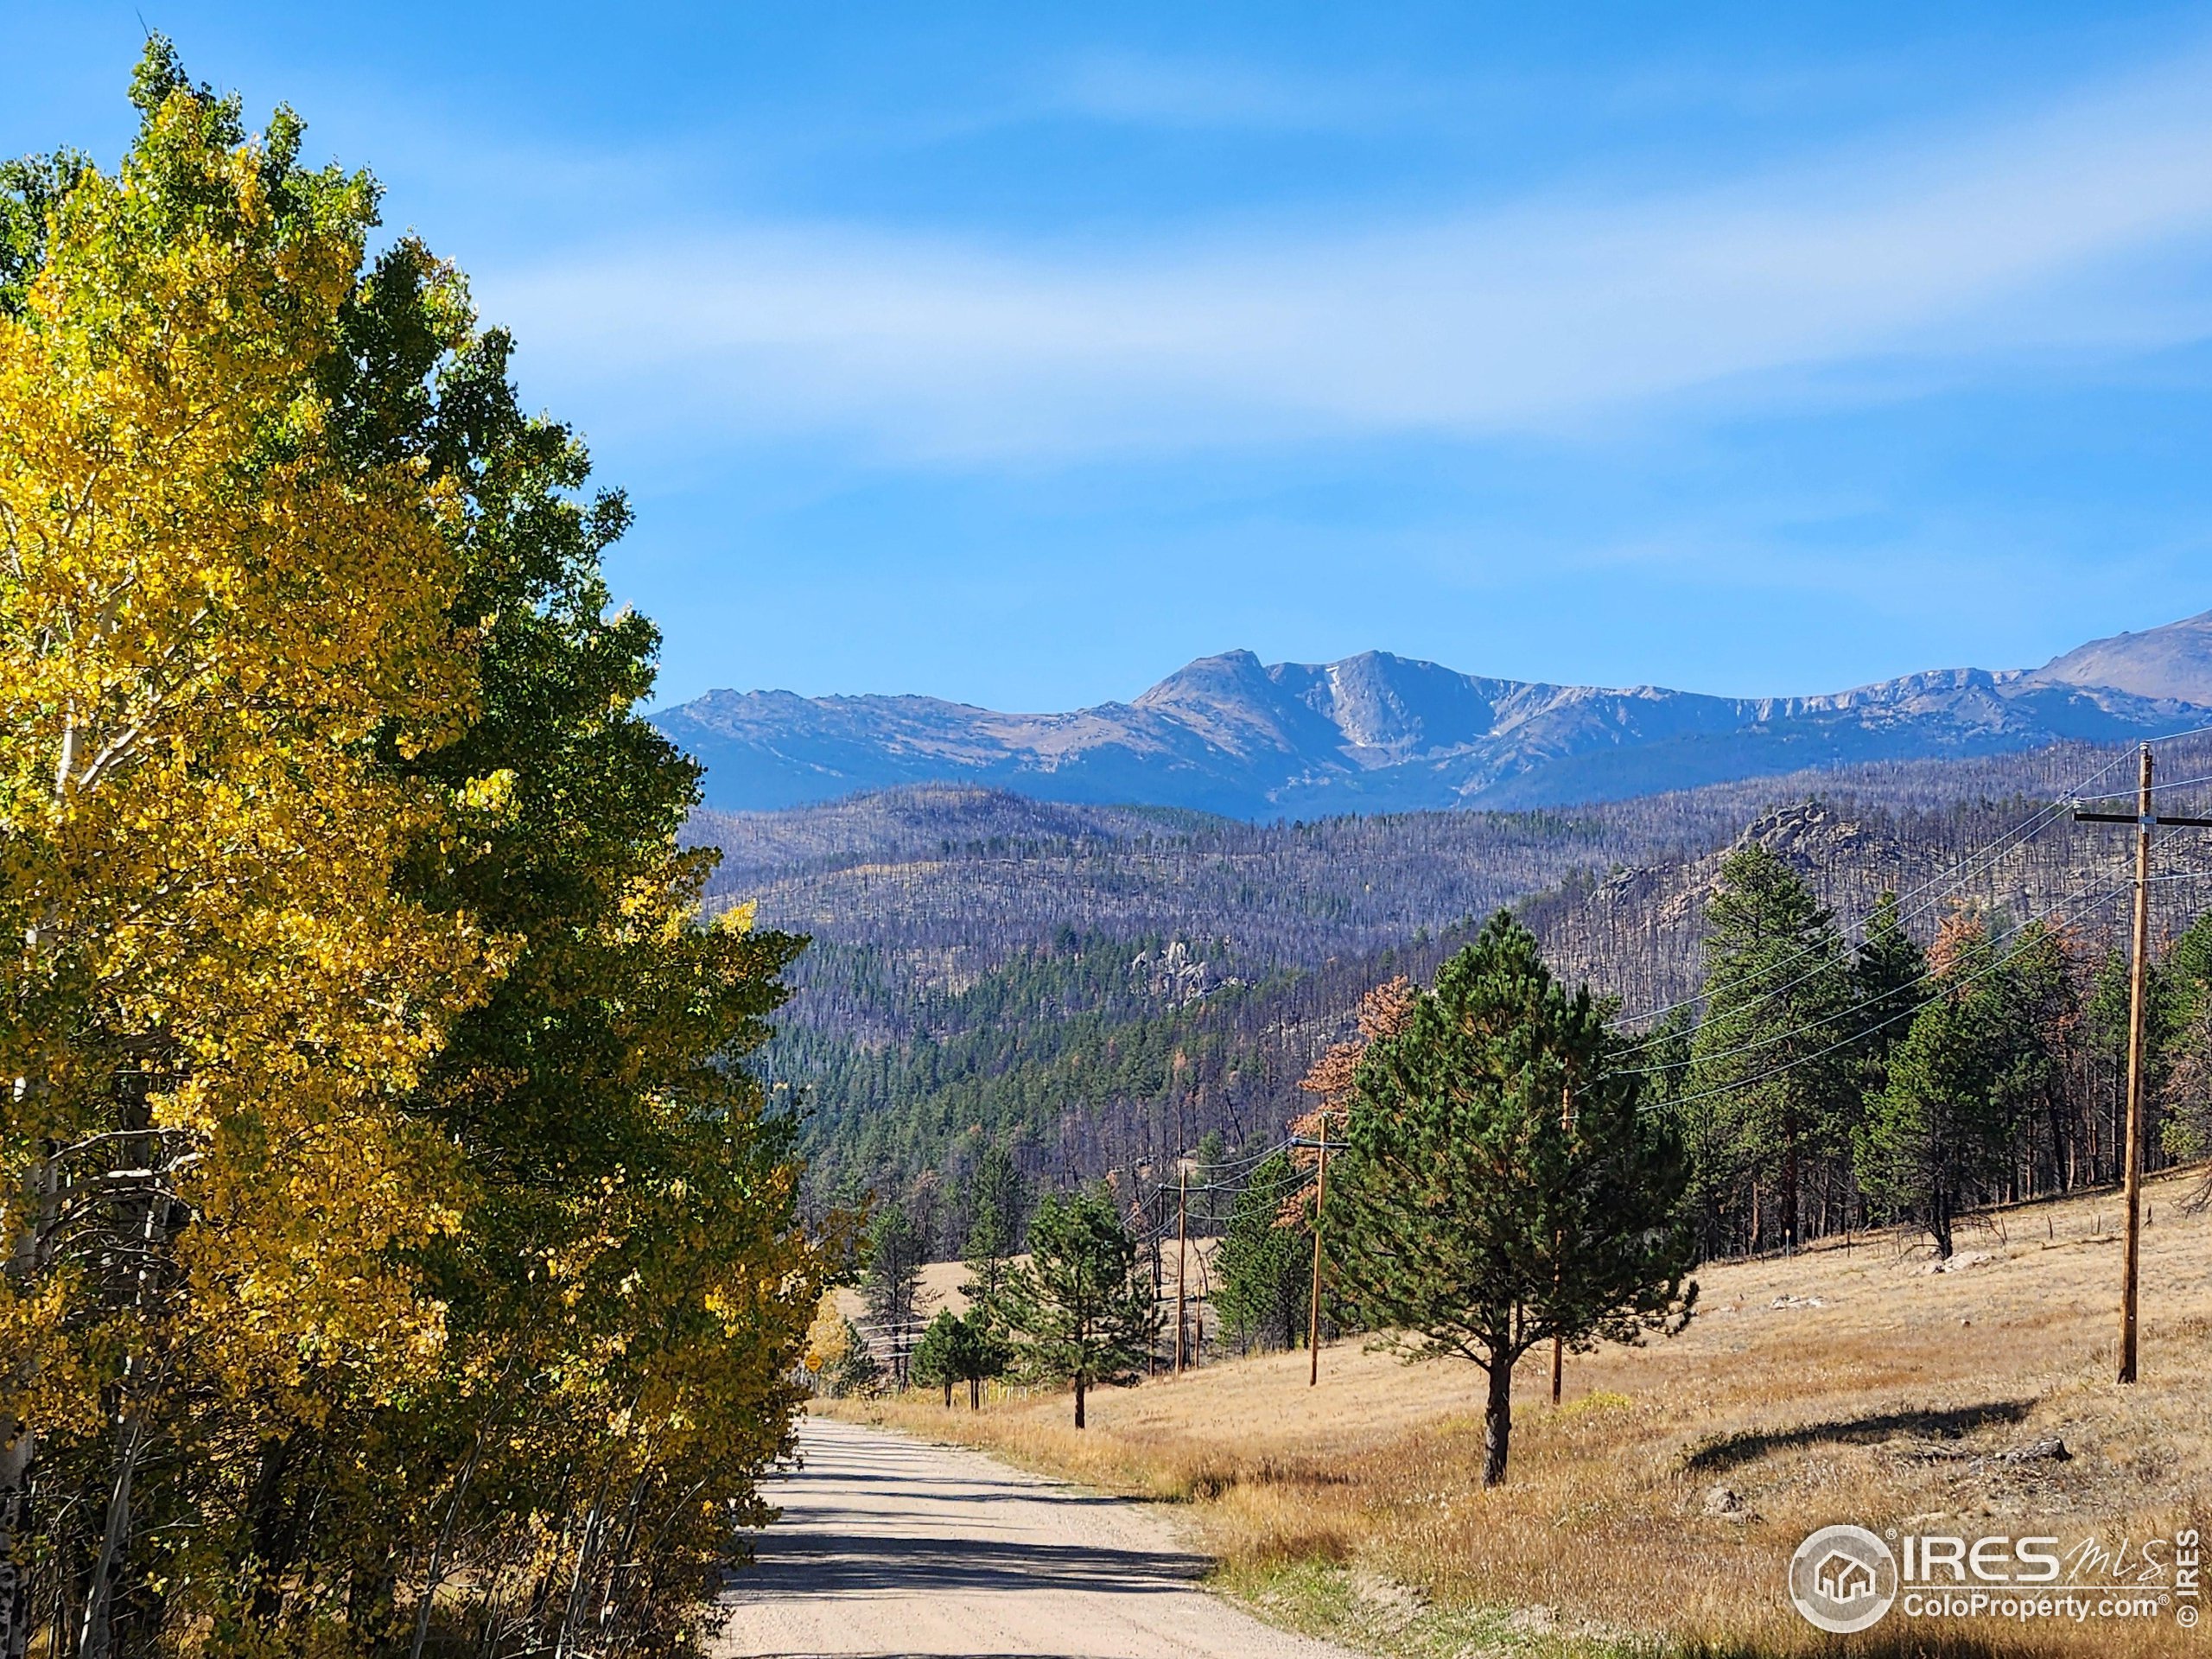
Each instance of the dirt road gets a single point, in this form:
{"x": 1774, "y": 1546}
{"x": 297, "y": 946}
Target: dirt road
{"x": 889, "y": 1546}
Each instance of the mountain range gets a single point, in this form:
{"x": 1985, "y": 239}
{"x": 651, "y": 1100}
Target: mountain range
{"x": 1375, "y": 732}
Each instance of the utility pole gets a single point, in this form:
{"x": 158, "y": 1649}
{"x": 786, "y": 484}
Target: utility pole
{"x": 1313, "y": 1314}
{"x": 1559, "y": 1247}
{"x": 2144, "y": 821}
{"x": 1199, "y": 1314}
{"x": 1141, "y": 1214}
{"x": 1182, "y": 1239}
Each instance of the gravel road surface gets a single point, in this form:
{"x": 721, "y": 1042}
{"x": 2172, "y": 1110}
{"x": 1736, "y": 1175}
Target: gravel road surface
{"x": 890, "y": 1546}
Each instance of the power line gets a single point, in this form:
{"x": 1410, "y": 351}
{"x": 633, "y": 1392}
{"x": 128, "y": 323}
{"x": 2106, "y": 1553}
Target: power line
{"x": 2130, "y": 794}
{"x": 1883, "y": 1025}
{"x": 1249, "y": 1161}
{"x": 1948, "y": 877}
{"x": 1144, "y": 1205}
{"x": 1248, "y": 1158}
{"x": 1772, "y": 1037}
{"x": 2083, "y": 902}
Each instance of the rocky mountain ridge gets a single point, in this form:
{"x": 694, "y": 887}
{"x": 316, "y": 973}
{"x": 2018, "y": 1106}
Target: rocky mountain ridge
{"x": 1375, "y": 732}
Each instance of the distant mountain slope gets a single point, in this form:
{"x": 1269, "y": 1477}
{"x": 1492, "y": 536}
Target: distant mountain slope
{"x": 2173, "y": 662}
{"x": 1097, "y": 985}
{"x": 1375, "y": 732}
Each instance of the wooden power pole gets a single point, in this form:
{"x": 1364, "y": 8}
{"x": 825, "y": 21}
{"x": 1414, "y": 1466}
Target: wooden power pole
{"x": 2144, "y": 821}
{"x": 1182, "y": 1239}
{"x": 1141, "y": 1214}
{"x": 1313, "y": 1313}
{"x": 1559, "y": 1246}
{"x": 1198, "y": 1310}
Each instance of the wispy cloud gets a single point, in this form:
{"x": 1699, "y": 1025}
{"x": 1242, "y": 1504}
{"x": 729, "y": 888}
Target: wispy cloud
{"x": 1190, "y": 93}
{"x": 2080, "y": 227}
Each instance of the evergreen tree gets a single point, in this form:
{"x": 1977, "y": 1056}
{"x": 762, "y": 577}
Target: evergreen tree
{"x": 933, "y": 1365}
{"x": 1888, "y": 971}
{"x": 958, "y": 1348}
{"x": 2104, "y": 1048}
{"x": 1263, "y": 1269}
{"x": 1662, "y": 1055}
{"x": 2185, "y": 1103}
{"x": 2187, "y": 972}
{"x": 1500, "y": 1186}
{"x": 891, "y": 1288}
{"x": 1081, "y": 1308}
{"x": 1770, "y": 1084}
{"x": 2040, "y": 1018}
{"x": 997, "y": 1196}
{"x": 2185, "y": 1092}
{"x": 855, "y": 1369}
{"x": 2167, "y": 1003}
{"x": 1940, "y": 1128}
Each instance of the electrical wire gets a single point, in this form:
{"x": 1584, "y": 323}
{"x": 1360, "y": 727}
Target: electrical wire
{"x": 1168, "y": 1189}
{"x": 1772, "y": 1037}
{"x": 1248, "y": 1158}
{"x": 1247, "y": 1161}
{"x": 2130, "y": 794}
{"x": 2068, "y": 798}
{"x": 1741, "y": 1083}
{"x": 1947, "y": 878}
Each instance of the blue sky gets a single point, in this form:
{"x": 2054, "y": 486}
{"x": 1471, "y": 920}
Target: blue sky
{"x": 1018, "y": 354}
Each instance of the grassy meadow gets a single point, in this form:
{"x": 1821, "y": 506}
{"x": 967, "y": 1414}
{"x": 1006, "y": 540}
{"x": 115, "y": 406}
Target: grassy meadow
{"x": 1657, "y": 1507}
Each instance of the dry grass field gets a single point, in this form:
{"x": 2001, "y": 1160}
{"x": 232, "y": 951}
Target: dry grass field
{"x": 941, "y": 1282}
{"x": 1658, "y": 1507}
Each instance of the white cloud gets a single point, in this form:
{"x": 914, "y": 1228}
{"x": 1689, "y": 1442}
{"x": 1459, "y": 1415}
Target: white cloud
{"x": 2028, "y": 236}
{"x": 1142, "y": 90}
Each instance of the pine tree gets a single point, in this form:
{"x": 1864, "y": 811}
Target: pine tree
{"x": 997, "y": 1196}
{"x": 856, "y": 1370}
{"x": 1888, "y": 970}
{"x": 1081, "y": 1308}
{"x": 933, "y": 1365}
{"x": 2040, "y": 1016}
{"x": 1501, "y": 1186}
{"x": 891, "y": 1288}
{"x": 2184, "y": 1094}
{"x": 2187, "y": 970}
{"x": 958, "y": 1348}
{"x": 1264, "y": 1265}
{"x": 1770, "y": 1079}
{"x": 2105, "y": 1019}
{"x": 1940, "y": 1128}
{"x": 1661, "y": 1055}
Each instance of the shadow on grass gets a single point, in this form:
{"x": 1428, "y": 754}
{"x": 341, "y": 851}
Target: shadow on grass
{"x": 1731, "y": 1450}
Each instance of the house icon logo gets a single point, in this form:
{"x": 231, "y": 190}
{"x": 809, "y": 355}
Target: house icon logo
{"x": 1843, "y": 1579}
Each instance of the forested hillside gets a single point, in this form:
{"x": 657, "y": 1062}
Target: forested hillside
{"x": 1099, "y": 987}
